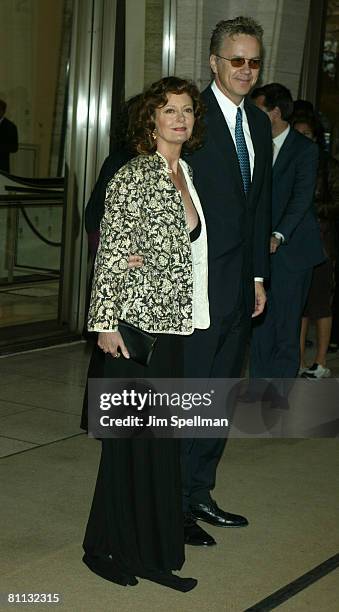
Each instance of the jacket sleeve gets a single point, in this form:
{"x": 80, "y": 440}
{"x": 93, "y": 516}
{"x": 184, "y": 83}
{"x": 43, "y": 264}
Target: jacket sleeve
{"x": 302, "y": 197}
{"x": 111, "y": 264}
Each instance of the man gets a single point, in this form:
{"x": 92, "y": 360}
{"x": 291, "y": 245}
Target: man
{"x": 8, "y": 138}
{"x": 296, "y": 245}
{"x": 232, "y": 174}
{"x": 121, "y": 153}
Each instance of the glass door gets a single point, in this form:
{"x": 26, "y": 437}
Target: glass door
{"x": 35, "y": 48}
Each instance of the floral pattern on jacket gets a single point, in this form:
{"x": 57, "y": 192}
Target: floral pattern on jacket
{"x": 144, "y": 214}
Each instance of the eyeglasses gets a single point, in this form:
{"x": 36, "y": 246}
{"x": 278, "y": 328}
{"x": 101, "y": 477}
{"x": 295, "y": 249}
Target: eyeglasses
{"x": 237, "y": 62}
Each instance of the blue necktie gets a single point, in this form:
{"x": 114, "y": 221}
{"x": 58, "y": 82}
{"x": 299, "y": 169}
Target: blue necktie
{"x": 242, "y": 152}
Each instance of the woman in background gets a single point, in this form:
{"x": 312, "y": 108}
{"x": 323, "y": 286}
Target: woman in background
{"x": 319, "y": 302}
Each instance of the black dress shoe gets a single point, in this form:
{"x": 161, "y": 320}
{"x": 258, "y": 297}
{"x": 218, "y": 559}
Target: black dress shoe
{"x": 195, "y": 535}
{"x": 210, "y": 513}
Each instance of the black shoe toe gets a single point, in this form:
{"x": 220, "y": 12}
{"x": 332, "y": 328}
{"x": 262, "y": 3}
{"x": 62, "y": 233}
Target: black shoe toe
{"x": 210, "y": 513}
{"x": 195, "y": 535}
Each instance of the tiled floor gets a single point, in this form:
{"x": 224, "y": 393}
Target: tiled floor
{"x": 288, "y": 488}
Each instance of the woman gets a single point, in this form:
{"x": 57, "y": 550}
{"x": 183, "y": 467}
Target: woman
{"x": 135, "y": 526}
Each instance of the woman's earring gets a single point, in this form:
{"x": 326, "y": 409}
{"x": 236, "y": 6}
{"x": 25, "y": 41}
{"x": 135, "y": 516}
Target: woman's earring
{"x": 154, "y": 134}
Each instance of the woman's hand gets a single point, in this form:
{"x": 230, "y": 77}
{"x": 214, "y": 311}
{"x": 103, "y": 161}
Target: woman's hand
{"x": 135, "y": 261}
{"x": 110, "y": 342}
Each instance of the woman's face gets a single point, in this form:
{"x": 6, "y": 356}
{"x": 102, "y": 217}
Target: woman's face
{"x": 174, "y": 122}
{"x": 305, "y": 129}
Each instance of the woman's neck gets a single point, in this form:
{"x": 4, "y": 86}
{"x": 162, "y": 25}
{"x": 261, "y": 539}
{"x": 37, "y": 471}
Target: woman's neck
{"x": 172, "y": 155}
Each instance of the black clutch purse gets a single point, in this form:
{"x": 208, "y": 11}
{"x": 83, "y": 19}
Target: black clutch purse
{"x": 140, "y": 344}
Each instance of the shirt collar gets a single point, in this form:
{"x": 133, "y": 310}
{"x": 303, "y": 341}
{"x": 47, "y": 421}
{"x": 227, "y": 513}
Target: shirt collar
{"x": 164, "y": 163}
{"x": 280, "y": 139}
{"x": 228, "y": 107}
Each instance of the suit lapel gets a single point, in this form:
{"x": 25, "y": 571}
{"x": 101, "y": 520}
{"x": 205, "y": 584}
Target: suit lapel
{"x": 218, "y": 128}
{"x": 256, "y": 141}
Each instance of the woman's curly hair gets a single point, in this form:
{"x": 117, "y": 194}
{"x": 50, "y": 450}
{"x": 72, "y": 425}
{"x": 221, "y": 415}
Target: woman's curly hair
{"x": 141, "y": 118}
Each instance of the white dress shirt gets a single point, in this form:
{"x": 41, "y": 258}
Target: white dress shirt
{"x": 229, "y": 110}
{"x": 278, "y": 142}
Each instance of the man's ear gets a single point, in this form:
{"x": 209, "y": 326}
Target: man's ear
{"x": 276, "y": 112}
{"x": 213, "y": 64}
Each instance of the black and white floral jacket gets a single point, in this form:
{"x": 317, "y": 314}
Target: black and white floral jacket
{"x": 145, "y": 214}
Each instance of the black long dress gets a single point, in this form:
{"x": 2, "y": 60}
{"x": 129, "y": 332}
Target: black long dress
{"x": 136, "y": 519}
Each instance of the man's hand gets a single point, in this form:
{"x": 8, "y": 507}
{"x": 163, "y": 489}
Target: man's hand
{"x": 260, "y": 298}
{"x": 275, "y": 243}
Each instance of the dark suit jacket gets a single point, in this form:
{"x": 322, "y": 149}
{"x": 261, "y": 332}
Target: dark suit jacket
{"x": 96, "y": 204}
{"x": 8, "y": 142}
{"x": 238, "y": 227}
{"x": 293, "y": 211}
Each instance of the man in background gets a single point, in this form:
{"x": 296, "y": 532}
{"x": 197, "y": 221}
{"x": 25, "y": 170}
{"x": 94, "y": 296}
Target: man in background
{"x": 295, "y": 245}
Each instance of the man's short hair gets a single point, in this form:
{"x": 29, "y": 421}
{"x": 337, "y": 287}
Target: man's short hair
{"x": 277, "y": 95}
{"x": 304, "y": 107}
{"x": 233, "y": 27}
{"x": 3, "y": 106}
{"x": 257, "y": 91}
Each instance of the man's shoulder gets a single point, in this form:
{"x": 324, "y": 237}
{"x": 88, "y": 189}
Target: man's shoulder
{"x": 302, "y": 147}
{"x": 302, "y": 142}
{"x": 114, "y": 161}
{"x": 207, "y": 92}
{"x": 257, "y": 115}
{"x": 209, "y": 100}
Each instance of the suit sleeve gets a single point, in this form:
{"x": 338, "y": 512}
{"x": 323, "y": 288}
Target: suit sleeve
{"x": 302, "y": 197}
{"x": 96, "y": 204}
{"x": 262, "y": 225}
{"x": 111, "y": 264}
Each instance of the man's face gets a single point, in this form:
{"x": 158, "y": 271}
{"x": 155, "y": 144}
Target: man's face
{"x": 236, "y": 83}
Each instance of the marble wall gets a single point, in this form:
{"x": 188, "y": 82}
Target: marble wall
{"x": 135, "y": 47}
{"x": 144, "y": 41}
{"x": 284, "y": 23}
{"x": 153, "y": 41}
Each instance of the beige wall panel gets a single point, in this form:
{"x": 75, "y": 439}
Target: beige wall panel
{"x": 29, "y": 49}
{"x": 153, "y": 33}
{"x": 16, "y": 68}
{"x": 47, "y": 44}
{"x": 135, "y": 47}
{"x": 189, "y": 39}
